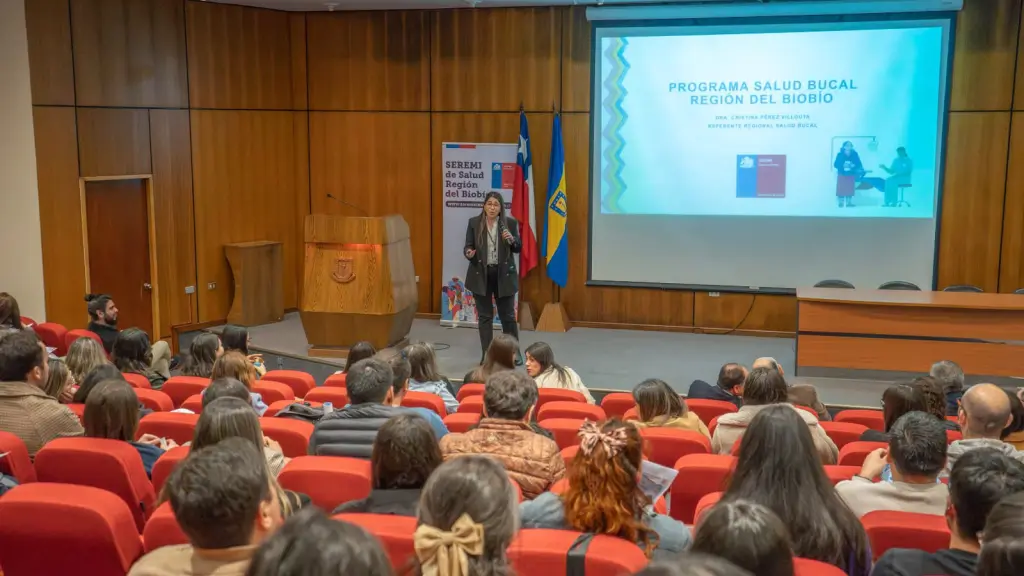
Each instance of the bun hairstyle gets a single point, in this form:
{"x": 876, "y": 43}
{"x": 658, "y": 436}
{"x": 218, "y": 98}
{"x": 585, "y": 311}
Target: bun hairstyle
{"x": 97, "y": 303}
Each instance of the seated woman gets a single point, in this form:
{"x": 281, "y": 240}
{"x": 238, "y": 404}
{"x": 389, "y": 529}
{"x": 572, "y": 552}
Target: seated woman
{"x": 934, "y": 396}
{"x": 234, "y": 365}
{"x": 359, "y": 351}
{"x": 10, "y": 313}
{"x": 405, "y": 454}
{"x": 84, "y": 355}
{"x": 204, "y": 351}
{"x": 604, "y": 495}
{"x": 227, "y": 417}
{"x": 660, "y": 406}
{"x": 425, "y": 377}
{"x": 500, "y": 356}
{"x": 59, "y": 384}
{"x": 93, "y": 378}
{"x": 132, "y": 353}
{"x": 467, "y": 518}
{"x": 112, "y": 411}
{"x": 792, "y": 483}
{"x": 1002, "y": 552}
{"x": 541, "y": 366}
{"x": 236, "y": 339}
{"x": 896, "y": 401}
{"x": 747, "y": 534}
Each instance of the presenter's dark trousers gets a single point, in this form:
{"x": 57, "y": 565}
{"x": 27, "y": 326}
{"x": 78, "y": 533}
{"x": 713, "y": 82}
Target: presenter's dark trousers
{"x": 485, "y": 311}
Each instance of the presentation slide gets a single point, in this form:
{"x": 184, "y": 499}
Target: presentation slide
{"x": 805, "y": 126}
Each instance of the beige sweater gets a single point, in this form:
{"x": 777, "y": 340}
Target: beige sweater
{"x": 732, "y": 426}
{"x": 690, "y": 422}
{"x": 863, "y": 496}
{"x": 550, "y": 378}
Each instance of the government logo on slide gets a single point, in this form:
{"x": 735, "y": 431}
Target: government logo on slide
{"x": 761, "y": 176}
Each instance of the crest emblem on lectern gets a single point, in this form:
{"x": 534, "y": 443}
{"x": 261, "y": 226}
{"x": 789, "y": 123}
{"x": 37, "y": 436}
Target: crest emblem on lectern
{"x": 344, "y": 271}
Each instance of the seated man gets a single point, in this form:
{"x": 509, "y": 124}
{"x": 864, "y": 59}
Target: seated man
{"x": 402, "y": 370}
{"x": 729, "y": 388}
{"x": 984, "y": 412}
{"x": 25, "y": 410}
{"x": 978, "y": 481}
{"x": 103, "y": 322}
{"x": 225, "y": 502}
{"x": 504, "y": 433}
{"x": 799, "y": 394}
{"x": 916, "y": 456}
{"x": 951, "y": 376}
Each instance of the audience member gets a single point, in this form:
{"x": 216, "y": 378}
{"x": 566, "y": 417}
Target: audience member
{"x": 729, "y": 388}
{"x": 10, "y": 313}
{"x": 916, "y": 456}
{"x": 950, "y": 375}
{"x": 541, "y": 366}
{"x": 231, "y": 417}
{"x": 504, "y": 433}
{"x": 604, "y": 495}
{"x": 405, "y": 454}
{"x": 467, "y": 519}
{"x": 500, "y": 356}
{"x": 236, "y": 339}
{"x": 659, "y": 406}
{"x": 984, "y": 414}
{"x": 311, "y": 544}
{"x": 979, "y": 480}
{"x": 60, "y": 385}
{"x": 1013, "y": 434}
{"x": 225, "y": 503}
{"x": 112, "y": 412}
{"x": 84, "y": 355}
{"x": 103, "y": 322}
{"x": 25, "y": 409}
{"x": 132, "y": 354}
{"x": 1002, "y": 551}
{"x": 693, "y": 564}
{"x": 225, "y": 388}
{"x": 203, "y": 352}
{"x": 799, "y": 394}
{"x": 359, "y": 351}
{"x": 747, "y": 534}
{"x": 424, "y": 377}
{"x": 896, "y": 401}
{"x": 934, "y": 399}
{"x": 400, "y": 371}
{"x": 234, "y": 365}
{"x": 93, "y": 378}
{"x": 765, "y": 387}
{"x": 778, "y": 468}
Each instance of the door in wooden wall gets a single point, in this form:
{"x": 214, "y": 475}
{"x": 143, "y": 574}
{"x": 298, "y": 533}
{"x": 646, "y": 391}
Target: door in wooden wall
{"x": 117, "y": 221}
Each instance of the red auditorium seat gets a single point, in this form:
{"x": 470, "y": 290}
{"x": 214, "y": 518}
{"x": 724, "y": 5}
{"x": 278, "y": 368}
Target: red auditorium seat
{"x": 807, "y": 409}
{"x": 79, "y": 410}
{"x": 545, "y": 395}
{"x": 839, "y": 473}
{"x": 394, "y": 532}
{"x": 539, "y": 551}
{"x": 293, "y": 435}
{"x": 708, "y": 410}
{"x": 61, "y": 529}
{"x": 16, "y": 463}
{"x": 871, "y": 418}
{"x": 712, "y": 425}
{"x": 472, "y": 405}
{"x": 177, "y": 426}
{"x": 805, "y": 567}
{"x": 616, "y": 404}
{"x": 854, "y": 453}
{"x": 569, "y": 454}
{"x": 425, "y": 400}
{"x": 110, "y": 465}
{"x": 155, "y": 400}
{"x": 842, "y": 433}
{"x": 162, "y": 529}
{"x": 564, "y": 430}
{"x": 77, "y": 333}
{"x": 467, "y": 390}
{"x": 179, "y": 388}
{"x": 461, "y": 421}
{"x": 193, "y": 403}
{"x": 336, "y": 396}
{"x": 517, "y": 488}
{"x": 890, "y": 529}
{"x": 300, "y": 382}
{"x": 580, "y": 410}
{"x": 668, "y": 445}
{"x": 704, "y": 504}
{"x": 280, "y": 405}
{"x": 559, "y": 487}
{"x": 273, "y": 391}
{"x": 953, "y": 436}
{"x": 54, "y": 336}
{"x": 166, "y": 464}
{"x": 335, "y": 381}
{"x": 27, "y": 322}
{"x": 137, "y": 380}
{"x": 631, "y": 414}
{"x": 699, "y": 474}
{"x": 328, "y": 480}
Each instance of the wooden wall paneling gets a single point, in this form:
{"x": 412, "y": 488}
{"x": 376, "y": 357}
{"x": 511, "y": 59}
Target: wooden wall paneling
{"x": 536, "y": 288}
{"x": 297, "y": 37}
{"x": 300, "y": 154}
{"x": 129, "y": 53}
{"x": 494, "y": 60}
{"x": 575, "y": 60}
{"x": 376, "y": 60}
{"x": 767, "y": 313}
{"x": 173, "y": 209}
{"x": 972, "y": 201}
{"x": 246, "y": 182}
{"x": 1018, "y": 91}
{"x": 1011, "y": 258}
{"x": 113, "y": 142}
{"x": 985, "y": 54}
{"x": 48, "y": 23}
{"x": 239, "y": 57}
{"x": 60, "y": 215}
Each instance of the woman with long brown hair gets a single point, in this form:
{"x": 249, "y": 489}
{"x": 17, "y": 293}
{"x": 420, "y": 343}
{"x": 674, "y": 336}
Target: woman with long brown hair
{"x": 112, "y": 412}
{"x": 227, "y": 417}
{"x": 235, "y": 365}
{"x": 425, "y": 377}
{"x": 500, "y": 356}
{"x": 204, "y": 351}
{"x": 59, "y": 383}
{"x": 659, "y": 406}
{"x": 604, "y": 495}
{"x": 541, "y": 366}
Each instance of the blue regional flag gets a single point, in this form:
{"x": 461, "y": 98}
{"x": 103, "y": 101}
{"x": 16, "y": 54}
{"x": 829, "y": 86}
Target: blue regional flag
{"x": 556, "y": 241}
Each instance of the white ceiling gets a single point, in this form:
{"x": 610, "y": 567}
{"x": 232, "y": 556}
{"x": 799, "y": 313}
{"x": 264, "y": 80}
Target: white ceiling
{"x": 315, "y": 5}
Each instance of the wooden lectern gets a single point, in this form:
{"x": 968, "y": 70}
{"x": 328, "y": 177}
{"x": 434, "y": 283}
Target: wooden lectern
{"x": 359, "y": 282}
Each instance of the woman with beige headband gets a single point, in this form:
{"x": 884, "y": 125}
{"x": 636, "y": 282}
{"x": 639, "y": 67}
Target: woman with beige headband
{"x": 604, "y": 495}
{"x": 467, "y": 519}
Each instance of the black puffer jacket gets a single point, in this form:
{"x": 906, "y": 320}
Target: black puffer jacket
{"x": 351, "y": 430}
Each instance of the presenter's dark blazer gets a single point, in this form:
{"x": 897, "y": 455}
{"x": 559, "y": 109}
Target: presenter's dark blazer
{"x": 508, "y": 276}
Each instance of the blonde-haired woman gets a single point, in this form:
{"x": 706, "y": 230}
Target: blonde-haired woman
{"x": 84, "y": 355}
{"x": 235, "y": 365}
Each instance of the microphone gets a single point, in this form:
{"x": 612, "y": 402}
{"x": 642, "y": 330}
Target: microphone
{"x": 349, "y": 204}
{"x": 502, "y": 229}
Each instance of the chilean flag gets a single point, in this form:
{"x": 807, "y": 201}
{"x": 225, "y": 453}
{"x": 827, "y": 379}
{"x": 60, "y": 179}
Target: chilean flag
{"x": 522, "y": 200}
